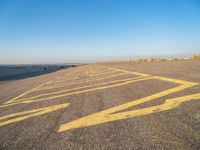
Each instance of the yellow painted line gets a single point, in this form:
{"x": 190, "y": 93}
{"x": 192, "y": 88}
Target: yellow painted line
{"x": 70, "y": 73}
{"x": 83, "y": 87}
{"x": 32, "y": 90}
{"x": 103, "y": 73}
{"x": 108, "y": 116}
{"x": 65, "y": 80}
{"x": 85, "y": 81}
{"x": 38, "y": 88}
{"x": 178, "y": 81}
{"x": 126, "y": 71}
{"x": 30, "y": 113}
{"x": 66, "y": 76}
{"x": 78, "y": 92}
{"x": 25, "y": 93}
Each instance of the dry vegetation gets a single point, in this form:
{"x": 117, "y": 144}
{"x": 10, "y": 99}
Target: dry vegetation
{"x": 155, "y": 59}
{"x": 196, "y": 56}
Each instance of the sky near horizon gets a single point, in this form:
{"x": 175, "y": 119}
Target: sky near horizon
{"x": 63, "y": 31}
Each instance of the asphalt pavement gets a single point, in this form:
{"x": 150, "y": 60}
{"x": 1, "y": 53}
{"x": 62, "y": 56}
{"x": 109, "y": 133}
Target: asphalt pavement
{"x": 114, "y": 105}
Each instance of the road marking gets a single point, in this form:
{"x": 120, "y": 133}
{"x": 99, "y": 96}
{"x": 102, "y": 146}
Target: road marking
{"x": 67, "y": 75}
{"x": 25, "y": 93}
{"x": 30, "y": 113}
{"x": 83, "y": 87}
{"x": 85, "y": 81}
{"x": 102, "y": 73}
{"x": 40, "y": 87}
{"x": 96, "y": 77}
{"x": 66, "y": 79}
{"x": 108, "y": 116}
{"x": 126, "y": 71}
{"x": 24, "y": 101}
{"x": 31, "y": 90}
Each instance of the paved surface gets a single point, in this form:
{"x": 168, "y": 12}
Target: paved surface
{"x": 152, "y": 105}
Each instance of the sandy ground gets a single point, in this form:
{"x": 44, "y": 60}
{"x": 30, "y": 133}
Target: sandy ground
{"x": 149, "y": 105}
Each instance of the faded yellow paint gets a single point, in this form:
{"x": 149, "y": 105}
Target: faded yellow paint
{"x": 83, "y": 87}
{"x": 126, "y": 71}
{"x": 65, "y": 80}
{"x": 25, "y": 93}
{"x": 43, "y": 87}
{"x": 85, "y": 81}
{"x": 66, "y": 75}
{"x": 103, "y": 73}
{"x": 30, "y": 91}
{"x": 30, "y": 113}
{"x": 108, "y": 116}
{"x": 103, "y": 116}
{"x": 24, "y": 101}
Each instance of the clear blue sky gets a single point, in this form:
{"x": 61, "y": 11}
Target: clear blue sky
{"x": 56, "y": 31}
